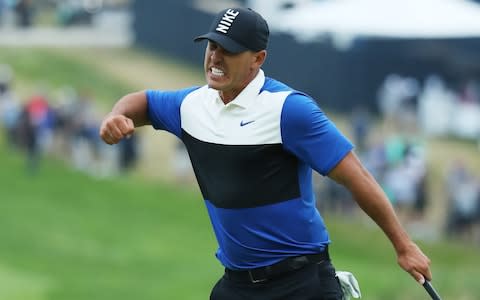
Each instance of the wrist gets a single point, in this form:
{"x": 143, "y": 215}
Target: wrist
{"x": 404, "y": 246}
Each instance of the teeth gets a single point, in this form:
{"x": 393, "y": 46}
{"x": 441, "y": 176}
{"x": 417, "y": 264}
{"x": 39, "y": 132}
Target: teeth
{"x": 217, "y": 72}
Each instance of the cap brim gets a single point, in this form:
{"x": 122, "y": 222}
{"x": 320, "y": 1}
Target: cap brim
{"x": 224, "y": 41}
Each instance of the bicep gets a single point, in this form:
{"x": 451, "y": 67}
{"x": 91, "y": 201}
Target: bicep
{"x": 351, "y": 173}
{"x": 311, "y": 136}
{"x": 140, "y": 104}
{"x": 133, "y": 106}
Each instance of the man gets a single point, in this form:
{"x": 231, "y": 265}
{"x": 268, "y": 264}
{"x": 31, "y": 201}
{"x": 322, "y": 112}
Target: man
{"x": 253, "y": 143}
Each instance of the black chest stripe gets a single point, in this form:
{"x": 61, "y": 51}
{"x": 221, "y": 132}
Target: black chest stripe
{"x": 242, "y": 176}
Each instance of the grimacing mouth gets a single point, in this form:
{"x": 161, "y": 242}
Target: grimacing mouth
{"x": 216, "y": 71}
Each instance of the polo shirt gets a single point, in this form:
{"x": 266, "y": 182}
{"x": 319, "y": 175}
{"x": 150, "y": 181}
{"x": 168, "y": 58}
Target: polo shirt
{"x": 253, "y": 160}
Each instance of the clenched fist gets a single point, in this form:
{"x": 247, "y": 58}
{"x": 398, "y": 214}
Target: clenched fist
{"x": 116, "y": 127}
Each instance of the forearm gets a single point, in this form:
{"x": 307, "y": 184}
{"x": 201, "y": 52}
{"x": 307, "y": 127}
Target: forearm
{"x": 373, "y": 201}
{"x": 371, "y": 198}
{"x": 133, "y": 106}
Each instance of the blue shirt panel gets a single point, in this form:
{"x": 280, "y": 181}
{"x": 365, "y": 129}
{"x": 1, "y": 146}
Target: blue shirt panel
{"x": 164, "y": 109}
{"x": 261, "y": 236}
{"x": 310, "y": 135}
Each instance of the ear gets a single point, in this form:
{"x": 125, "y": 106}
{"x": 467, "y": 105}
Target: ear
{"x": 259, "y": 58}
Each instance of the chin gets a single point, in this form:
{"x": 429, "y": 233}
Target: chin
{"x": 214, "y": 85}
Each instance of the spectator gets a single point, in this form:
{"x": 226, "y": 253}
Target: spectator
{"x": 397, "y": 99}
{"x": 360, "y": 123}
{"x": 10, "y": 107}
{"x": 42, "y": 117}
{"x": 24, "y": 12}
{"x": 128, "y": 155}
{"x": 463, "y": 195}
{"x": 27, "y": 134}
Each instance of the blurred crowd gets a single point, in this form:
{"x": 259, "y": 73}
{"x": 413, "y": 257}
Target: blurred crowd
{"x": 441, "y": 108}
{"x": 411, "y": 112}
{"x": 64, "y": 124}
{"x": 437, "y": 107}
{"x": 17, "y": 13}
{"x": 399, "y": 163}
{"x": 25, "y": 13}
{"x": 462, "y": 188}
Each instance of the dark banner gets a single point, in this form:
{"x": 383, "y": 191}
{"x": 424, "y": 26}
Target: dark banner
{"x": 338, "y": 80}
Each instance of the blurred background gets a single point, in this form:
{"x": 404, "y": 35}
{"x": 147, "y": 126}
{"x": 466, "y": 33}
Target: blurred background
{"x": 84, "y": 220}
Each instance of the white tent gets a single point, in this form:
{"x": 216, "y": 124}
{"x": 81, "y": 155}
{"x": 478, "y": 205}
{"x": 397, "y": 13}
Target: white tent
{"x": 344, "y": 20}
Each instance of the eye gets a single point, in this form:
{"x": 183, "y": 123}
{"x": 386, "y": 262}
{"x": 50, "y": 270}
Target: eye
{"x": 227, "y": 53}
{"x": 212, "y": 46}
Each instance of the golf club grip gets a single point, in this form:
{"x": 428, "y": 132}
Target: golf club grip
{"x": 431, "y": 291}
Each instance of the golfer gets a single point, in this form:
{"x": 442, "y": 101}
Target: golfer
{"x": 253, "y": 142}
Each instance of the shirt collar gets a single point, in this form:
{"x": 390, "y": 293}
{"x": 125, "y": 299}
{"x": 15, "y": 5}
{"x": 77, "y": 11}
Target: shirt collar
{"x": 249, "y": 93}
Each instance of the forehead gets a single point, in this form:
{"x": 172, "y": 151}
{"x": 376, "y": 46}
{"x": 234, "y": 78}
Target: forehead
{"x": 210, "y": 42}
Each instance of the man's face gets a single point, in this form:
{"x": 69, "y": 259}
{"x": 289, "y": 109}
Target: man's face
{"x": 227, "y": 72}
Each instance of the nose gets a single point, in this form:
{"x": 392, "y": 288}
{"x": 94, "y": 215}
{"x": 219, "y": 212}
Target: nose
{"x": 216, "y": 54}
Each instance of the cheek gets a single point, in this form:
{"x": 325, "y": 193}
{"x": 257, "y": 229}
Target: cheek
{"x": 242, "y": 66}
{"x": 246, "y": 68}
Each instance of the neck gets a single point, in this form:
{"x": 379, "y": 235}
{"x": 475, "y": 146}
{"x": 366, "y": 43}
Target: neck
{"x": 229, "y": 96}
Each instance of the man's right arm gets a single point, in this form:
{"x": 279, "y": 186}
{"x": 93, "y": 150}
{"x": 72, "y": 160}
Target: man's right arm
{"x": 129, "y": 112}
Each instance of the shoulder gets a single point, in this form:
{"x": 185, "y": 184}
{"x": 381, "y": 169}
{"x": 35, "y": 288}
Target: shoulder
{"x": 301, "y": 108}
{"x": 174, "y": 95}
{"x": 294, "y": 99}
{"x": 272, "y": 85}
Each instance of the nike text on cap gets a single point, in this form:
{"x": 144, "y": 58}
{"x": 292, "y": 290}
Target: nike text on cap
{"x": 237, "y": 30}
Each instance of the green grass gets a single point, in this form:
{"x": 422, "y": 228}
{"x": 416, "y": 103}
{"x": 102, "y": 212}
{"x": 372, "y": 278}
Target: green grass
{"x": 65, "y": 235}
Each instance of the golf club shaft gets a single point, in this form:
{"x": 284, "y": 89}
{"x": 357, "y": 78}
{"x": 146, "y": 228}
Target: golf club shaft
{"x": 431, "y": 291}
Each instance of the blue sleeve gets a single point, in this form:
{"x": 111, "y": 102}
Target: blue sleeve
{"x": 164, "y": 109}
{"x": 310, "y": 135}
